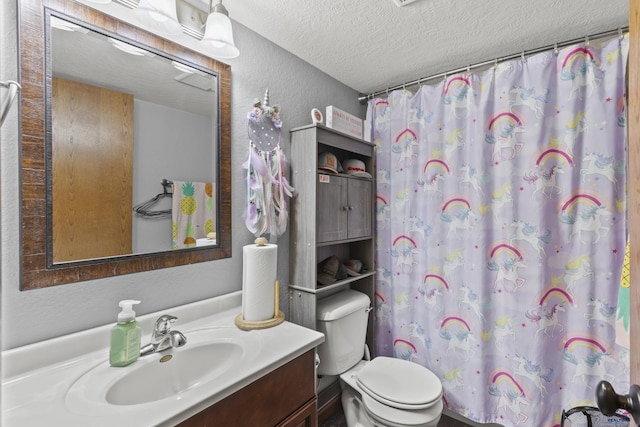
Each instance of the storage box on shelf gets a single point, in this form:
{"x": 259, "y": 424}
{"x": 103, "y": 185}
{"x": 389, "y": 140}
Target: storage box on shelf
{"x": 332, "y": 215}
{"x": 343, "y": 122}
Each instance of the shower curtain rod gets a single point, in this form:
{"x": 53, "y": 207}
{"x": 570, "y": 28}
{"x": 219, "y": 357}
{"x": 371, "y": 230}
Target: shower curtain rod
{"x": 620, "y": 31}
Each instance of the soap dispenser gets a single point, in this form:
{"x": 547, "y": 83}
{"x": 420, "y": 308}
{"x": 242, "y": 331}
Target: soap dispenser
{"x": 125, "y": 336}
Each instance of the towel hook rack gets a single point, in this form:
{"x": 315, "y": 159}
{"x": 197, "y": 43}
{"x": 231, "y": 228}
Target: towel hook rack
{"x": 144, "y": 208}
{"x": 167, "y": 186}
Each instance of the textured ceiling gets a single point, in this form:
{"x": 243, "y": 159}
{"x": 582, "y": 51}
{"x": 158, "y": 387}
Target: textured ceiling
{"x": 370, "y": 45}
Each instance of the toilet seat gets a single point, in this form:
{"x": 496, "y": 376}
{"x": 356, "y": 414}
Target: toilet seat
{"x": 390, "y": 416}
{"x": 399, "y": 384}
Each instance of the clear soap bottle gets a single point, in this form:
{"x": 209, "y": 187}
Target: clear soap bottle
{"x": 125, "y": 336}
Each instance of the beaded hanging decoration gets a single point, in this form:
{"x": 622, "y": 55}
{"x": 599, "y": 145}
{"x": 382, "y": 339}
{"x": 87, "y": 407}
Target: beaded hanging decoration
{"x": 267, "y": 186}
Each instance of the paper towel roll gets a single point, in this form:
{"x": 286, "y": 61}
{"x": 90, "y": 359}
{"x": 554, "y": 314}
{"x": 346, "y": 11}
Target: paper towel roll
{"x": 259, "y": 272}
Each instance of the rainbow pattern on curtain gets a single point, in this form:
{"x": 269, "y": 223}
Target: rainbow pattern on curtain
{"x": 501, "y": 227}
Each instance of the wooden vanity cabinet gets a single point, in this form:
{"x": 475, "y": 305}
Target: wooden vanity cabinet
{"x": 285, "y": 397}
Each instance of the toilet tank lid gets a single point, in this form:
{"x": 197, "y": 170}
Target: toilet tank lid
{"x": 341, "y": 304}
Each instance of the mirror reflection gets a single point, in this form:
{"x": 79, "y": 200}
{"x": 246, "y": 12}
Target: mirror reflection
{"x": 133, "y": 149}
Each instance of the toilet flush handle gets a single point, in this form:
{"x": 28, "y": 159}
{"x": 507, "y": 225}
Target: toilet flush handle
{"x": 367, "y": 353}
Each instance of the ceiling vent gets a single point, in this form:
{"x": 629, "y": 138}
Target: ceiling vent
{"x": 201, "y": 81}
{"x": 401, "y": 3}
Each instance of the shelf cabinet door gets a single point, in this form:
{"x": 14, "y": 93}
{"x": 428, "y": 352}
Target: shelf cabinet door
{"x": 332, "y": 208}
{"x": 360, "y": 210}
{"x": 344, "y": 209}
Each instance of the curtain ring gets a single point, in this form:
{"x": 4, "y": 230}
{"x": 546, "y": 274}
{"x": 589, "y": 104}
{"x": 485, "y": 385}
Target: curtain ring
{"x": 555, "y": 48}
{"x": 620, "y": 35}
{"x": 522, "y": 57}
{"x": 586, "y": 41}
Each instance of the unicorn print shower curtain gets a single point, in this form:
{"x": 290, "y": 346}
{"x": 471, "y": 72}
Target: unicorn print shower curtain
{"x": 501, "y": 232}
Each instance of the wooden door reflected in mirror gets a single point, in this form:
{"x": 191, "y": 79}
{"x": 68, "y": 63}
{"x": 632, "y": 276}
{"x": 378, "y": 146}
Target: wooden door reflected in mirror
{"x": 92, "y": 171}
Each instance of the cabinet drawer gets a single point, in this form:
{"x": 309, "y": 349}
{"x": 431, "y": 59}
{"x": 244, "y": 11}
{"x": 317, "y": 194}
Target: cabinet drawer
{"x": 267, "y": 401}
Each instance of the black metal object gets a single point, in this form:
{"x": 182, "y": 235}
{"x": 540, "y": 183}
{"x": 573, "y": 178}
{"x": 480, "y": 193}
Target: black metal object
{"x": 609, "y": 401}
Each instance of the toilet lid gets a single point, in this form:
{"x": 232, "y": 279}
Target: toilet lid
{"x": 399, "y": 383}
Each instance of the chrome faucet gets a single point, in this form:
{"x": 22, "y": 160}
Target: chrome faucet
{"x": 163, "y": 337}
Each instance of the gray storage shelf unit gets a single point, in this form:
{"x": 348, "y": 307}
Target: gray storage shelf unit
{"x": 330, "y": 215}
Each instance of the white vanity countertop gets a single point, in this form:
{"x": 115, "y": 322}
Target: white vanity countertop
{"x": 36, "y": 377}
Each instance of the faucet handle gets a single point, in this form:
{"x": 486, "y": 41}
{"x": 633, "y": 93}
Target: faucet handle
{"x": 177, "y": 339}
{"x": 163, "y": 324}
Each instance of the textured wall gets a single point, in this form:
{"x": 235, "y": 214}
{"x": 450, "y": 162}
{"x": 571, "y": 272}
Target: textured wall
{"x": 45, "y": 313}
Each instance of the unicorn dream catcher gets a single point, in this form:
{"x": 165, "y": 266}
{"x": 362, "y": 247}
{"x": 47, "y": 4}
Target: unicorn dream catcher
{"x": 267, "y": 185}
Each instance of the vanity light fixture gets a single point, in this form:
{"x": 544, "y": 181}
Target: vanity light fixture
{"x": 159, "y": 15}
{"x": 218, "y": 35}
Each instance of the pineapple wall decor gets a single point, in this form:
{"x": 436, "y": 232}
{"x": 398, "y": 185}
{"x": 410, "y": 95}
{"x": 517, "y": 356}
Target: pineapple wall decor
{"x": 267, "y": 187}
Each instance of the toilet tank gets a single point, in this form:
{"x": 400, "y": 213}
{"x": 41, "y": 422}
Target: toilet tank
{"x": 342, "y": 318}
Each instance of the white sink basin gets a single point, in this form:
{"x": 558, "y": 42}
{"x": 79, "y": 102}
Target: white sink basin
{"x": 208, "y": 355}
{"x": 173, "y": 374}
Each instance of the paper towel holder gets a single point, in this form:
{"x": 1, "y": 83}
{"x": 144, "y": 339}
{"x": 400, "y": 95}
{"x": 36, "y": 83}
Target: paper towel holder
{"x": 248, "y": 325}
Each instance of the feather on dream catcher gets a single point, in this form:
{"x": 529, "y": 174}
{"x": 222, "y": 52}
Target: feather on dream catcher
{"x": 267, "y": 186}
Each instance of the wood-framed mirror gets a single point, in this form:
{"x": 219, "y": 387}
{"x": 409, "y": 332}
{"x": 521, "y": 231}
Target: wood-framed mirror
{"x": 43, "y": 264}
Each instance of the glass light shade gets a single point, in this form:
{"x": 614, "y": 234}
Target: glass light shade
{"x": 159, "y": 15}
{"x": 218, "y": 37}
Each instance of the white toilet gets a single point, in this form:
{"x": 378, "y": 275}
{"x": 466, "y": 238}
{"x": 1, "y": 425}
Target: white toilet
{"x": 383, "y": 392}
